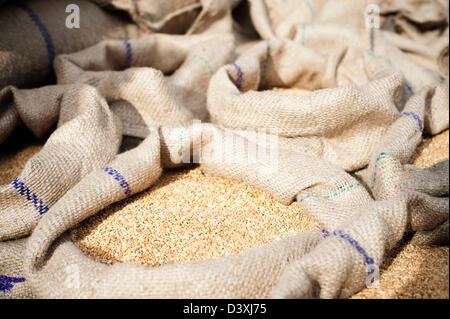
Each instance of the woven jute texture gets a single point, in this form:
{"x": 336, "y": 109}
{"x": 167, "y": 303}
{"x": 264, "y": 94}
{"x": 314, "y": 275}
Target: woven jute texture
{"x": 177, "y": 16}
{"x": 182, "y": 219}
{"x": 343, "y": 152}
{"x": 35, "y": 32}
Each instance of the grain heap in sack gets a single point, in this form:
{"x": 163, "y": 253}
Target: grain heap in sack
{"x": 187, "y": 76}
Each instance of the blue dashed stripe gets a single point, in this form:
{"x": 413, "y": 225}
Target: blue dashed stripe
{"x": 42, "y": 28}
{"x": 352, "y": 241}
{"x": 118, "y": 177}
{"x": 239, "y": 75}
{"x": 25, "y": 191}
{"x": 129, "y": 53}
{"x": 415, "y": 116}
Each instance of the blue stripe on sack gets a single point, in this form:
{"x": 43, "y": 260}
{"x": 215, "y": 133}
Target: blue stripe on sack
{"x": 25, "y": 191}
{"x": 129, "y": 53}
{"x": 239, "y": 75}
{"x": 352, "y": 241}
{"x": 6, "y": 283}
{"x": 42, "y": 28}
{"x": 415, "y": 116}
{"x": 118, "y": 177}
{"x": 409, "y": 87}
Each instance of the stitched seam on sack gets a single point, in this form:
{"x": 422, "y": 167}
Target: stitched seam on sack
{"x": 42, "y": 29}
{"x": 415, "y": 116}
{"x": 311, "y": 9}
{"x": 30, "y": 196}
{"x": 374, "y": 178}
{"x": 352, "y": 241}
{"x": 205, "y": 61}
{"x": 239, "y": 75}
{"x": 368, "y": 54}
{"x": 334, "y": 194}
{"x": 14, "y": 292}
{"x": 129, "y": 53}
{"x": 118, "y": 177}
{"x": 304, "y": 34}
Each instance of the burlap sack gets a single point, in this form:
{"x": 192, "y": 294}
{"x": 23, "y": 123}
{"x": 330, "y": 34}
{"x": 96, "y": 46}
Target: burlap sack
{"x": 177, "y": 16}
{"x": 244, "y": 275}
{"x": 88, "y": 137}
{"x": 310, "y": 22}
{"x": 141, "y": 96}
{"x": 354, "y": 99}
{"x": 424, "y": 22}
{"x": 252, "y": 274}
{"x": 96, "y": 101}
{"x": 331, "y": 264}
{"x": 193, "y": 60}
{"x": 406, "y": 199}
{"x": 34, "y": 32}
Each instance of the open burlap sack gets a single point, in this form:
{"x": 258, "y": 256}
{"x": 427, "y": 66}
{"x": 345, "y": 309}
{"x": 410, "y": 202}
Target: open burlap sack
{"x": 177, "y": 16}
{"x": 251, "y": 274}
{"x": 370, "y": 210}
{"x": 332, "y": 263}
{"x": 140, "y": 96}
{"x": 34, "y": 33}
{"x": 88, "y": 137}
{"x": 406, "y": 199}
{"x": 354, "y": 99}
{"x": 232, "y": 276}
{"x": 255, "y": 273}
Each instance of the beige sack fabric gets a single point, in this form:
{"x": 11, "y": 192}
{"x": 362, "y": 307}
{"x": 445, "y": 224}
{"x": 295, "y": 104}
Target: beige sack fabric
{"x": 423, "y": 22}
{"x": 343, "y": 152}
{"x": 371, "y": 232}
{"x": 177, "y": 16}
{"x": 310, "y": 22}
{"x": 35, "y": 32}
{"x": 326, "y": 123}
{"x": 84, "y": 113}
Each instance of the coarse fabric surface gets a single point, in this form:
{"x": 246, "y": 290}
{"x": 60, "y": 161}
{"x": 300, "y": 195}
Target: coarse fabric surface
{"x": 343, "y": 151}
